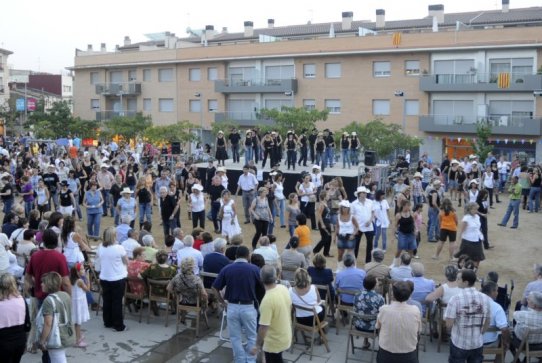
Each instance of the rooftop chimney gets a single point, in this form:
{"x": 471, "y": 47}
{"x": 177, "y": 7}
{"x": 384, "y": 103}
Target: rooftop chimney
{"x": 348, "y": 16}
{"x": 270, "y": 23}
{"x": 505, "y": 6}
{"x": 127, "y": 41}
{"x": 224, "y": 29}
{"x": 103, "y": 48}
{"x": 209, "y": 32}
{"x": 89, "y": 48}
{"x": 249, "y": 29}
{"x": 380, "y": 18}
{"x": 438, "y": 11}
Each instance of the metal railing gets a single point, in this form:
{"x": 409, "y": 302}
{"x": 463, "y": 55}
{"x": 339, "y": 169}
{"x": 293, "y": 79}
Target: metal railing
{"x": 474, "y": 77}
{"x": 118, "y": 88}
{"x": 255, "y": 82}
{"x": 108, "y": 115}
{"x": 509, "y": 121}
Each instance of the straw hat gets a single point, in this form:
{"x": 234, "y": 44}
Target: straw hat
{"x": 197, "y": 187}
{"x": 418, "y": 175}
{"x": 126, "y": 190}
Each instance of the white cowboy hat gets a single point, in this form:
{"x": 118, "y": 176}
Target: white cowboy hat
{"x": 221, "y": 169}
{"x": 126, "y": 191}
{"x": 418, "y": 175}
{"x": 454, "y": 161}
{"x": 344, "y": 203}
{"x": 317, "y": 167}
{"x": 197, "y": 187}
{"x": 354, "y": 133}
{"x": 362, "y": 189}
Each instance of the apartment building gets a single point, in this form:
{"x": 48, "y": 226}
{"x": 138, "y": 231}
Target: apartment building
{"x": 437, "y": 76}
{"x": 4, "y": 76}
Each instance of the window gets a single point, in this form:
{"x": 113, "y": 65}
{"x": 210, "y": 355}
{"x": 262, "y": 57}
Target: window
{"x": 146, "y": 75}
{"x": 131, "y": 104}
{"x": 165, "y": 104}
{"x": 94, "y": 77}
{"x": 1, "y": 84}
{"x": 194, "y": 74}
{"x": 277, "y": 104}
{"x": 195, "y": 105}
{"x": 309, "y": 70}
{"x": 519, "y": 67}
{"x": 147, "y": 105}
{"x": 274, "y": 74}
{"x": 333, "y": 106}
{"x": 381, "y": 107}
{"x": 381, "y": 69}
{"x": 412, "y": 68}
{"x": 165, "y": 75}
{"x": 132, "y": 75}
{"x": 309, "y": 104}
{"x": 449, "y": 112}
{"x": 412, "y": 107}
{"x": 116, "y": 77}
{"x": 212, "y": 105}
{"x": 95, "y": 104}
{"x": 333, "y": 70}
{"x": 212, "y": 73}
{"x": 65, "y": 88}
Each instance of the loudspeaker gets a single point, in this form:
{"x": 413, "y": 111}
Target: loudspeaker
{"x": 175, "y": 148}
{"x": 370, "y": 158}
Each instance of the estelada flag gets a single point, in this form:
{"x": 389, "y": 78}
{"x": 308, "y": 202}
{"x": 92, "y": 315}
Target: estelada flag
{"x": 396, "y": 39}
{"x": 503, "y": 80}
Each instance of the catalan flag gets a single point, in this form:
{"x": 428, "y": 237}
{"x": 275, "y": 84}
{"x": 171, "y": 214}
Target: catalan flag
{"x": 396, "y": 39}
{"x": 504, "y": 80}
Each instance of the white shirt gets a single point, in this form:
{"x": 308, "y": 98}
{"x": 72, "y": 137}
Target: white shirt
{"x": 381, "y": 213}
{"x": 306, "y": 189}
{"x": 130, "y": 245}
{"x": 191, "y": 252}
{"x": 363, "y": 212}
{"x": 198, "y": 202}
{"x": 177, "y": 245}
{"x": 112, "y": 268}
{"x": 269, "y": 254}
{"x": 279, "y": 191}
{"x": 316, "y": 179}
{"x": 472, "y": 230}
{"x": 503, "y": 167}
{"x": 247, "y": 182}
{"x": 309, "y": 300}
{"x": 224, "y": 181}
{"x": 488, "y": 180}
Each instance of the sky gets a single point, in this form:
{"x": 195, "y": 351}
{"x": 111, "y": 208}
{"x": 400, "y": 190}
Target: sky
{"x": 43, "y": 35}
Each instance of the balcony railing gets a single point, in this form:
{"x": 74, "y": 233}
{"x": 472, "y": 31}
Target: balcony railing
{"x": 500, "y": 124}
{"x": 108, "y": 115}
{"x": 243, "y": 118}
{"x": 117, "y": 89}
{"x": 480, "y": 82}
{"x": 256, "y": 85}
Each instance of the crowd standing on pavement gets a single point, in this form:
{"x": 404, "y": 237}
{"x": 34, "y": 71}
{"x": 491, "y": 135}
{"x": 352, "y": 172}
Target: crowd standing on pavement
{"x": 53, "y": 247}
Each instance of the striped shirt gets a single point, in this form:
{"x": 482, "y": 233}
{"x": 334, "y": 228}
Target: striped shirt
{"x": 530, "y": 319}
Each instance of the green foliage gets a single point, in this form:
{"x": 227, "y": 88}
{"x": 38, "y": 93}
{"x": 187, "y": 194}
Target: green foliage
{"x": 53, "y": 123}
{"x": 179, "y": 132}
{"x": 481, "y": 145}
{"x": 9, "y": 116}
{"x": 294, "y": 118}
{"x": 223, "y": 126}
{"x": 126, "y": 127}
{"x": 84, "y": 128}
{"x": 381, "y": 137}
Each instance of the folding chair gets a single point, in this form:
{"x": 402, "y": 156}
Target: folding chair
{"x": 290, "y": 272}
{"x": 158, "y": 293}
{"x": 441, "y": 323}
{"x": 353, "y": 332}
{"x": 496, "y": 351}
{"x": 95, "y": 285}
{"x": 343, "y": 307}
{"x": 316, "y": 328}
{"x": 131, "y": 297}
{"x": 209, "y": 276}
{"x": 197, "y": 310}
{"x": 526, "y": 348}
{"x": 330, "y": 304}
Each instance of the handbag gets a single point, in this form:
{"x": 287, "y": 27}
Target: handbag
{"x": 56, "y": 340}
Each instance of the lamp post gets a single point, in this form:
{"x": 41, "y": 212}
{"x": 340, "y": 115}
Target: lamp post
{"x": 291, "y": 95}
{"x": 200, "y": 96}
{"x": 402, "y": 95}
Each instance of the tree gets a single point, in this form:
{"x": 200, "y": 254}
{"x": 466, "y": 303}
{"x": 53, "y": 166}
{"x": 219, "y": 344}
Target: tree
{"x": 223, "y": 126}
{"x": 178, "y": 132}
{"x": 481, "y": 145}
{"x": 52, "y": 123}
{"x": 381, "y": 137}
{"x": 294, "y": 118}
{"x": 126, "y": 127}
{"x": 84, "y": 128}
{"x": 8, "y": 114}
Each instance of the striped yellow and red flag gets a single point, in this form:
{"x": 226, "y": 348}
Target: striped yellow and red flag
{"x": 504, "y": 80}
{"x": 396, "y": 39}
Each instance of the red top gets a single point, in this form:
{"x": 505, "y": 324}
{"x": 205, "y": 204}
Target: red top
{"x": 42, "y": 262}
{"x": 197, "y": 244}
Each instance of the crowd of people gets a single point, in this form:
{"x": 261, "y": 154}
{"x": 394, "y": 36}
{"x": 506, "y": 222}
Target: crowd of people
{"x": 52, "y": 236}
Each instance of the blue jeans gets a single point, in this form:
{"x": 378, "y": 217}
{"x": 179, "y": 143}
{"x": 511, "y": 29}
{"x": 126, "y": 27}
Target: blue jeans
{"x": 354, "y": 157}
{"x": 432, "y": 224}
{"x": 513, "y": 206}
{"x": 145, "y": 212}
{"x": 105, "y": 195}
{"x": 329, "y": 157}
{"x": 458, "y": 355}
{"x": 169, "y": 226}
{"x": 93, "y": 224}
{"x": 502, "y": 181}
{"x": 235, "y": 153}
{"x": 291, "y": 229}
{"x": 271, "y": 225}
{"x": 28, "y": 206}
{"x": 320, "y": 159}
{"x": 534, "y": 198}
{"x": 8, "y": 204}
{"x": 280, "y": 210}
{"x": 417, "y": 199}
{"x": 346, "y": 157}
{"x": 249, "y": 154}
{"x": 379, "y": 231}
{"x": 242, "y": 318}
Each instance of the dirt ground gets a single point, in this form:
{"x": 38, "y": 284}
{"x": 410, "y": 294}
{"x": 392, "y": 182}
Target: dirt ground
{"x": 515, "y": 252}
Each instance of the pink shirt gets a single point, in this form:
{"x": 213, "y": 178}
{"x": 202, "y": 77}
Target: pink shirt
{"x": 13, "y": 312}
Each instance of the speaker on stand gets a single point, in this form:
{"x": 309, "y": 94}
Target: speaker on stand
{"x": 370, "y": 158}
{"x": 175, "y": 148}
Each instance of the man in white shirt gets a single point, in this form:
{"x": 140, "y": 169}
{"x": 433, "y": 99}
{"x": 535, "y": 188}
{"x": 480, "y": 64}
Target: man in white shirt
{"x": 362, "y": 210}
{"x": 269, "y": 254}
{"x": 190, "y": 252}
{"x": 247, "y": 184}
{"x": 179, "y": 236}
{"x": 130, "y": 244}
{"x": 403, "y": 271}
{"x": 498, "y": 319}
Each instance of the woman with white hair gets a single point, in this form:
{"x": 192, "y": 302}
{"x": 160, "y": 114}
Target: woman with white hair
{"x": 196, "y": 204}
{"x": 150, "y": 248}
{"x": 188, "y": 286}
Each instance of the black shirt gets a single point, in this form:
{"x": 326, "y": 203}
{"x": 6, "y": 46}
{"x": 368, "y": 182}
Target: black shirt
{"x": 51, "y": 181}
{"x": 65, "y": 198}
{"x": 445, "y": 165}
{"x": 215, "y": 192}
{"x": 330, "y": 142}
{"x": 7, "y": 187}
{"x": 144, "y": 195}
{"x": 312, "y": 139}
{"x": 167, "y": 205}
{"x": 303, "y": 140}
{"x": 115, "y": 192}
{"x": 234, "y": 138}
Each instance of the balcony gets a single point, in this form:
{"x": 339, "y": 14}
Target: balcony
{"x": 108, "y": 115}
{"x": 500, "y": 124}
{"x": 117, "y": 89}
{"x": 242, "y": 118}
{"x": 256, "y": 86}
{"x": 479, "y": 82}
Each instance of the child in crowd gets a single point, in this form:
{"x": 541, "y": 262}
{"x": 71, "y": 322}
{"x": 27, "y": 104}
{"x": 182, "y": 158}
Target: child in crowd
{"x": 418, "y": 223}
{"x": 80, "y": 313}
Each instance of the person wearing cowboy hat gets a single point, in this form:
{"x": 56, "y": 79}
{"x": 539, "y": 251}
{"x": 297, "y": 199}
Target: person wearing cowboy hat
{"x": 267, "y": 146}
{"x": 221, "y": 172}
{"x": 472, "y": 192}
{"x": 303, "y": 141}
{"x": 362, "y": 210}
{"x": 105, "y": 182}
{"x": 221, "y": 154}
{"x": 196, "y": 205}
{"x": 330, "y": 148}
{"x": 312, "y": 140}
{"x": 126, "y": 205}
{"x": 417, "y": 188}
{"x": 345, "y": 149}
{"x": 51, "y": 180}
{"x": 249, "y": 146}
{"x": 347, "y": 228}
{"x": 354, "y": 148}
{"x": 319, "y": 150}
{"x": 234, "y": 138}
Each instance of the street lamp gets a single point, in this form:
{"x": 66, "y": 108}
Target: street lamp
{"x": 200, "y": 96}
{"x": 291, "y": 95}
{"x": 402, "y": 94}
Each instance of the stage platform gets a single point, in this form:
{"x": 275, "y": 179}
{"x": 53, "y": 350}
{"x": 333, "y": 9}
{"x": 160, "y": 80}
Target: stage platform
{"x": 350, "y": 177}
